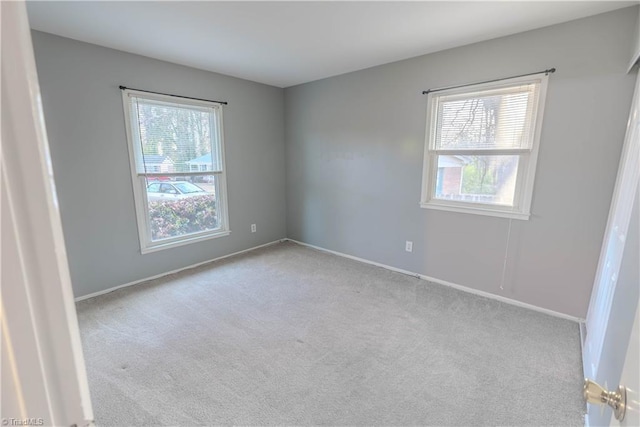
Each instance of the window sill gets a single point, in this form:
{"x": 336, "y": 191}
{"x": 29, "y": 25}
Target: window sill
{"x": 185, "y": 241}
{"x": 475, "y": 210}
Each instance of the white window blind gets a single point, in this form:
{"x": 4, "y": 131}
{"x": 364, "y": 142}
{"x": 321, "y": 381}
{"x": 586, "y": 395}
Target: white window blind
{"x": 175, "y": 137}
{"x": 499, "y": 118}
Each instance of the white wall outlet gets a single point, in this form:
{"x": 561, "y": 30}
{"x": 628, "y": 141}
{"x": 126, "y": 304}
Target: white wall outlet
{"x": 253, "y": 228}
{"x": 408, "y": 246}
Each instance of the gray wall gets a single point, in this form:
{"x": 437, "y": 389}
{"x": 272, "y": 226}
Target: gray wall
{"x": 635, "y": 53}
{"x": 354, "y": 146}
{"x": 85, "y": 121}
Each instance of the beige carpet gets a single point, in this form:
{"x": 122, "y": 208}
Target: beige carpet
{"x": 290, "y": 335}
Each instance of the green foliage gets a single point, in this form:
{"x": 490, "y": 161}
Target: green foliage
{"x": 170, "y": 218}
{"x": 477, "y": 178}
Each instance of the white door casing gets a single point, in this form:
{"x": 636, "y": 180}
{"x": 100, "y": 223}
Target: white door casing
{"x": 631, "y": 376}
{"x": 43, "y": 373}
{"x": 614, "y": 242}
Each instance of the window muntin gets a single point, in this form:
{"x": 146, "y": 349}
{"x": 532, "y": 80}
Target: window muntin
{"x": 177, "y": 162}
{"x": 481, "y": 147}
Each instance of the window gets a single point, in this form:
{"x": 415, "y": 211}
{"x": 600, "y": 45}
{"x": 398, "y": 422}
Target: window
{"x": 481, "y": 147}
{"x": 177, "y": 163}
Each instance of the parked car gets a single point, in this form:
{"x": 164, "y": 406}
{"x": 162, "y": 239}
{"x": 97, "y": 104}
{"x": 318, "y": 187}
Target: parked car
{"x": 202, "y": 178}
{"x": 173, "y": 190}
{"x": 158, "y": 178}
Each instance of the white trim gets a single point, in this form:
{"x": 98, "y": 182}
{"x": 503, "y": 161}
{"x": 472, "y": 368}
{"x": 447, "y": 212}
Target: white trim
{"x": 147, "y": 245}
{"x": 173, "y": 99}
{"x": 482, "y": 152}
{"x": 583, "y": 333}
{"x": 500, "y": 298}
{"x": 221, "y": 179}
{"x": 605, "y": 281}
{"x": 46, "y": 377}
{"x": 188, "y": 267}
{"x": 446, "y": 283}
{"x": 527, "y": 157}
{"x": 184, "y": 240}
{"x": 476, "y": 210}
{"x": 583, "y": 336}
{"x": 355, "y": 258}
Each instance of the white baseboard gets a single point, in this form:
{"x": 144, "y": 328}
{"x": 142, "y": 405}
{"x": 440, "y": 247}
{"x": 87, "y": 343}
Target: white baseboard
{"x": 586, "y": 372}
{"x": 146, "y": 279}
{"x": 449, "y": 284}
{"x": 583, "y": 334}
{"x": 366, "y": 261}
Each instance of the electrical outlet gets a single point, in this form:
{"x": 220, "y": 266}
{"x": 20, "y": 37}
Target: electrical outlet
{"x": 408, "y": 246}
{"x": 253, "y": 228}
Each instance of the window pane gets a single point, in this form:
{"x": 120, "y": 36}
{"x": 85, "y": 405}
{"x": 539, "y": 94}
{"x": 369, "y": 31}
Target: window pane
{"x": 478, "y": 179}
{"x": 489, "y": 119}
{"x": 182, "y": 206}
{"x": 175, "y": 138}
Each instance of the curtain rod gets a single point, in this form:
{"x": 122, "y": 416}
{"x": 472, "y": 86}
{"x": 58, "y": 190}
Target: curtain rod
{"x": 546, "y": 72}
{"x": 177, "y": 96}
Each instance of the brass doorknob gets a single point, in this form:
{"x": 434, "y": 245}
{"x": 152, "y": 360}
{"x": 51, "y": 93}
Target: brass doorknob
{"x": 597, "y": 395}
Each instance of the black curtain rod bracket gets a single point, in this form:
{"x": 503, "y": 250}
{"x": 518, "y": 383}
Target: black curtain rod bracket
{"x": 177, "y": 96}
{"x": 545, "y": 72}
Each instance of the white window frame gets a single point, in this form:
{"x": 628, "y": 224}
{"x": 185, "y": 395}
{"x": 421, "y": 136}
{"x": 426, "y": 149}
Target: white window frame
{"x": 138, "y": 179}
{"x": 527, "y": 157}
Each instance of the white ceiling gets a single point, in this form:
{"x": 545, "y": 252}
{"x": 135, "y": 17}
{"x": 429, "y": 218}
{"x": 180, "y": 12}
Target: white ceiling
{"x": 288, "y": 43}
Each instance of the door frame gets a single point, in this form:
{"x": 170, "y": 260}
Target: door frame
{"x": 613, "y": 242}
{"x": 44, "y": 378}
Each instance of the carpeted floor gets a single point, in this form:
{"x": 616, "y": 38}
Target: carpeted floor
{"x": 290, "y": 335}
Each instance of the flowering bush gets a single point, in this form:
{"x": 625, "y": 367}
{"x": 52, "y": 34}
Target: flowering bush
{"x": 170, "y": 218}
